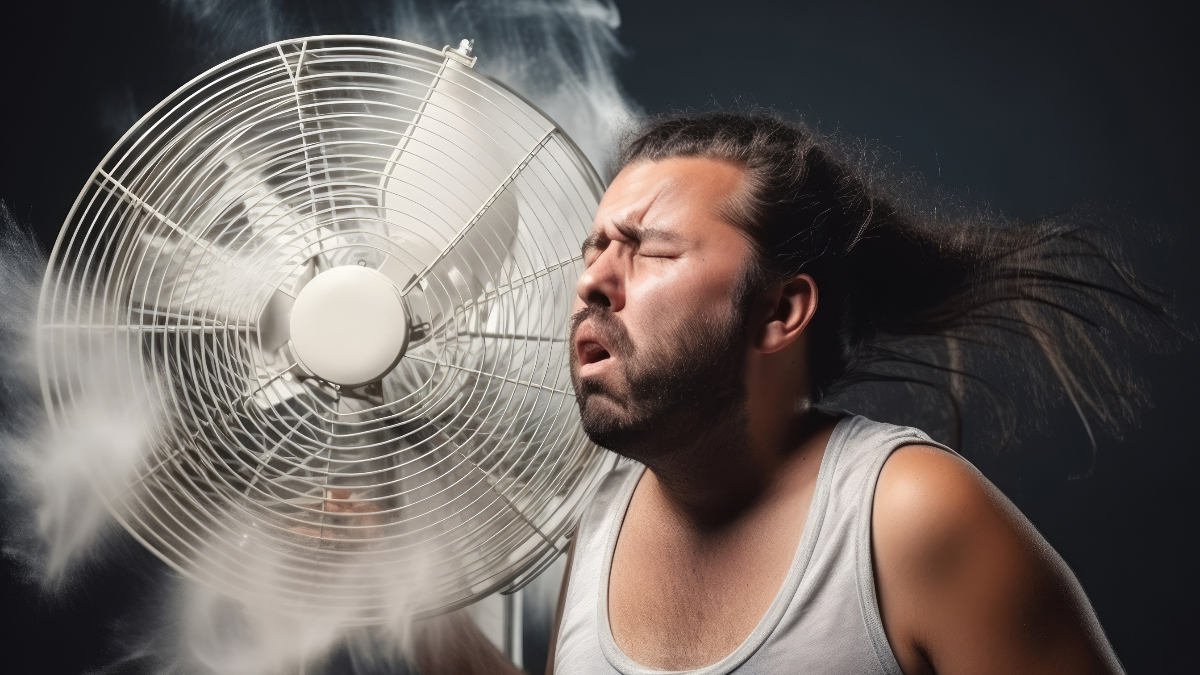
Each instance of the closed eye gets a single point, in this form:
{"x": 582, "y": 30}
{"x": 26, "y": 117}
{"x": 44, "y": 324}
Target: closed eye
{"x": 647, "y": 242}
{"x": 656, "y": 250}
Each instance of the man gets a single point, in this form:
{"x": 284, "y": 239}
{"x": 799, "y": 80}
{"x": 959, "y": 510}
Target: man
{"x": 737, "y": 275}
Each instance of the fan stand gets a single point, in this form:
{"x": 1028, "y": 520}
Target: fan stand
{"x": 514, "y": 628}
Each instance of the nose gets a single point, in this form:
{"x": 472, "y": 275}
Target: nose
{"x": 603, "y": 282}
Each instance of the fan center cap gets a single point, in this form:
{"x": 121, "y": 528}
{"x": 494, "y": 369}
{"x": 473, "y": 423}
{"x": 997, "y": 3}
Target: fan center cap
{"x": 348, "y": 325}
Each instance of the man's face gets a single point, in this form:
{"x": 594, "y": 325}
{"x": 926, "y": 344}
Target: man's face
{"x": 658, "y": 329}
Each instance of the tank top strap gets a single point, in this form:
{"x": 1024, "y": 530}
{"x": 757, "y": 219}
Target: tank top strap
{"x": 866, "y": 447}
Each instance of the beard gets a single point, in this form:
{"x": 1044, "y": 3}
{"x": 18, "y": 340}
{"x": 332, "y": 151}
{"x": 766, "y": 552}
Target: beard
{"x": 683, "y": 389}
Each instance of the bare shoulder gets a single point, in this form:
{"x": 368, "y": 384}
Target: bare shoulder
{"x": 966, "y": 583}
{"x": 927, "y": 498}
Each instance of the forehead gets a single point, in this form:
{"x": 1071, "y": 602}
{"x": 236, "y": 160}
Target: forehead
{"x": 681, "y": 194}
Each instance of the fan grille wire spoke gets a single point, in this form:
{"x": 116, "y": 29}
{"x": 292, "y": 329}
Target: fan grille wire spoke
{"x": 491, "y": 375}
{"x": 482, "y": 210}
{"x": 458, "y": 469}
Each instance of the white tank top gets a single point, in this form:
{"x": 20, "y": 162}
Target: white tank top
{"x": 825, "y": 618}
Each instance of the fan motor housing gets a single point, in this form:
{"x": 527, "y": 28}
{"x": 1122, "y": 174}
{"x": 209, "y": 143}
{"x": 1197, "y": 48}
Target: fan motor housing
{"x": 349, "y": 326}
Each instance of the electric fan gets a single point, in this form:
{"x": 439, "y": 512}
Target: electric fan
{"x": 339, "y": 269}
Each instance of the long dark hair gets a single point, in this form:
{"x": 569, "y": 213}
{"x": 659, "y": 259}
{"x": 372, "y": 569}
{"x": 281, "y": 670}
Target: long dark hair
{"x": 918, "y": 290}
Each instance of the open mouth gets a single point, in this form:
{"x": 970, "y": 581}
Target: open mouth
{"x": 591, "y": 352}
{"x": 589, "y": 349}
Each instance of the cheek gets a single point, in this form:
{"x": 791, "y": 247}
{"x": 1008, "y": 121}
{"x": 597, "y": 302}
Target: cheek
{"x": 692, "y": 286}
{"x": 664, "y": 302}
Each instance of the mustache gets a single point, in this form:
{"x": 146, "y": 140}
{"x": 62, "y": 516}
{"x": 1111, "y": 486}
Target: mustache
{"x": 610, "y": 329}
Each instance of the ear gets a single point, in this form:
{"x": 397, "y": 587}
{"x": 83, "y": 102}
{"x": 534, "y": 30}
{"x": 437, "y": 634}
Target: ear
{"x": 790, "y": 306}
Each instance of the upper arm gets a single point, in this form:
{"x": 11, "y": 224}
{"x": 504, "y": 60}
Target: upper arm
{"x": 966, "y": 584}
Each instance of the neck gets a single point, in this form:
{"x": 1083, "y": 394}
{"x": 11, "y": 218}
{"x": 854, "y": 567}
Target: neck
{"x": 722, "y": 474}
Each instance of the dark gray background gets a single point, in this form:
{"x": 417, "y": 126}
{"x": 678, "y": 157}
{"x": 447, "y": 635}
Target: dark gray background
{"x": 1029, "y": 106}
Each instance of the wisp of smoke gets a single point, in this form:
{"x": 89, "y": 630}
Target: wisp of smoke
{"x": 51, "y": 469}
{"x": 559, "y": 55}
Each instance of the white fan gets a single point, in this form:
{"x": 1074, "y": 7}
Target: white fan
{"x": 340, "y": 270}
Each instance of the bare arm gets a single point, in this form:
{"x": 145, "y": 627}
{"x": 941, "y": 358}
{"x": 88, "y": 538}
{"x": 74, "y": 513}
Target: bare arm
{"x": 453, "y": 645}
{"x": 965, "y": 582}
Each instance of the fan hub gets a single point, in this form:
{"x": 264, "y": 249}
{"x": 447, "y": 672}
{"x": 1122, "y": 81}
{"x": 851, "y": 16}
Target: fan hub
{"x": 349, "y": 326}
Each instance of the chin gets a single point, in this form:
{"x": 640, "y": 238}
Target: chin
{"x": 604, "y": 421}
{"x": 612, "y": 437}
{"x": 613, "y": 428}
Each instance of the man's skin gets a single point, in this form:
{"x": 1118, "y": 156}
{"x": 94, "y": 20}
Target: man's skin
{"x": 965, "y": 583}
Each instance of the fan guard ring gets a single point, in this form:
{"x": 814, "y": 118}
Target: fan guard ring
{"x": 460, "y": 471}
